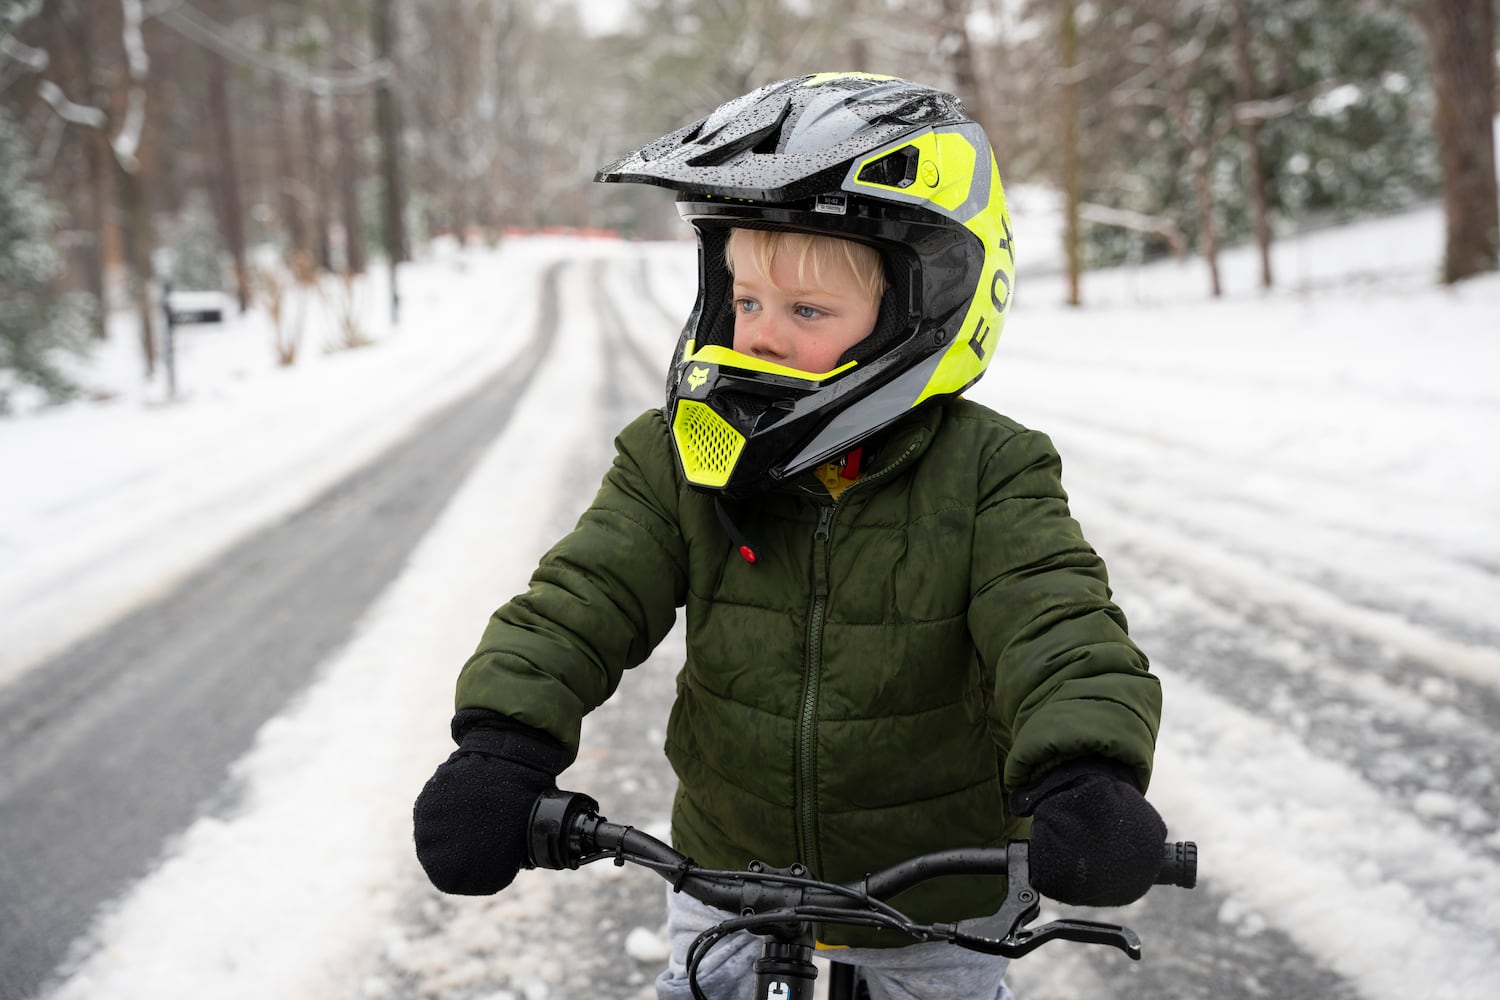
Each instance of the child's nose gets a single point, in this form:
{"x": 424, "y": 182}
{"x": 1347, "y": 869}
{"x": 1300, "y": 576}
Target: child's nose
{"x": 771, "y": 339}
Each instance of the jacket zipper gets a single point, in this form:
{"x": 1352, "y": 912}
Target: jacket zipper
{"x": 807, "y": 729}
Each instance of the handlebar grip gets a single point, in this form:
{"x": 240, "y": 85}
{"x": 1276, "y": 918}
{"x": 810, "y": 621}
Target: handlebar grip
{"x": 1179, "y": 864}
{"x": 556, "y": 838}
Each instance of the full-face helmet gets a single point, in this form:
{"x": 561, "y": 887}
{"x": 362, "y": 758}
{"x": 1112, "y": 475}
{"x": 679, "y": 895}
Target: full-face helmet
{"x": 874, "y": 159}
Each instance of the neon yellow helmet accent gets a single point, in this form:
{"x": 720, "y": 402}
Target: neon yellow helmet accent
{"x": 707, "y": 445}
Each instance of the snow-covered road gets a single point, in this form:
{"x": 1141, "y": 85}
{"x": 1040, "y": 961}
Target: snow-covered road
{"x": 1298, "y": 500}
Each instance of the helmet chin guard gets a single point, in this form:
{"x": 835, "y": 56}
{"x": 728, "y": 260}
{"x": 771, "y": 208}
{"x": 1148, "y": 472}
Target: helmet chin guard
{"x": 879, "y": 160}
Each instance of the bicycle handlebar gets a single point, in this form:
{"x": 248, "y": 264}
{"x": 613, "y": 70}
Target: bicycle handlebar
{"x": 1179, "y": 864}
{"x": 567, "y": 832}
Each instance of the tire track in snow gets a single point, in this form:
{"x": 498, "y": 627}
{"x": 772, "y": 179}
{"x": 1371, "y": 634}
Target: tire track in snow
{"x": 564, "y": 934}
{"x": 98, "y": 569}
{"x": 119, "y": 742}
{"x": 1345, "y": 805}
{"x": 290, "y": 900}
{"x": 1410, "y": 709}
{"x": 1257, "y": 384}
{"x": 1230, "y": 564}
{"x": 631, "y": 366}
{"x": 1305, "y": 843}
{"x": 1436, "y": 610}
{"x": 1344, "y": 793}
{"x": 1428, "y": 741}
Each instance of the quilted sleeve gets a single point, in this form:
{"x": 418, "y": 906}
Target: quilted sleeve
{"x": 1067, "y": 680}
{"x": 600, "y": 600}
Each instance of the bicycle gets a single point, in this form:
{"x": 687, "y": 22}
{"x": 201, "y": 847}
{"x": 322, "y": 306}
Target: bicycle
{"x": 783, "y": 904}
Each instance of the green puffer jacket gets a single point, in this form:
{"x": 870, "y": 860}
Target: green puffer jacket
{"x": 871, "y": 687}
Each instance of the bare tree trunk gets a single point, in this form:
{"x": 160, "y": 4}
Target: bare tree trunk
{"x": 965, "y": 79}
{"x": 1200, "y": 144}
{"x": 231, "y": 206}
{"x": 347, "y": 174}
{"x": 312, "y": 127}
{"x": 859, "y": 45}
{"x": 135, "y": 227}
{"x": 96, "y": 155}
{"x": 289, "y": 185}
{"x": 73, "y": 38}
{"x": 292, "y": 190}
{"x": 457, "y": 182}
{"x": 346, "y": 167}
{"x": 1461, "y": 42}
{"x": 1071, "y": 174}
{"x": 1246, "y": 92}
{"x": 130, "y": 185}
{"x": 390, "y": 139}
{"x": 1200, "y": 161}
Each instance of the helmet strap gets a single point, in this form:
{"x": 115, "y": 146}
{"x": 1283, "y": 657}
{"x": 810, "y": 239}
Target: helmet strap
{"x": 741, "y": 543}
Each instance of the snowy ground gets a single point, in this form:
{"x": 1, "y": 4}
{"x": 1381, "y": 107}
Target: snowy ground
{"x": 1297, "y": 495}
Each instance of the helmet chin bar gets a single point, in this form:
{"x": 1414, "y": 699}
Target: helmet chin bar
{"x": 741, "y": 431}
{"x": 730, "y": 423}
{"x": 864, "y": 417}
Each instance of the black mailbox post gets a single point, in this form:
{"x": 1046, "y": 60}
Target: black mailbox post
{"x": 191, "y": 312}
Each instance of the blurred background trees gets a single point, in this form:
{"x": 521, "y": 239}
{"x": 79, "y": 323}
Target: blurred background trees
{"x": 32, "y": 320}
{"x": 337, "y": 132}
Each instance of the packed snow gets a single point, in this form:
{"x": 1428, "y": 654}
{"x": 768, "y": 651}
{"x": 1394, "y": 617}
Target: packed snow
{"x": 1325, "y": 450}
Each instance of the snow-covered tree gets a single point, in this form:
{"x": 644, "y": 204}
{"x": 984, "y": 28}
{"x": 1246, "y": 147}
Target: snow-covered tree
{"x": 1336, "y": 89}
{"x": 36, "y": 324}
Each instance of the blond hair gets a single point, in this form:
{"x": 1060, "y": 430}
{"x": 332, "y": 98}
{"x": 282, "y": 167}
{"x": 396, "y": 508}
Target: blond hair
{"x": 815, "y": 249}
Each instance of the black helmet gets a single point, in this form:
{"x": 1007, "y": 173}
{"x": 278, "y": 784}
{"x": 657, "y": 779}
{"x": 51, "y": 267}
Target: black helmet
{"x": 875, "y": 159}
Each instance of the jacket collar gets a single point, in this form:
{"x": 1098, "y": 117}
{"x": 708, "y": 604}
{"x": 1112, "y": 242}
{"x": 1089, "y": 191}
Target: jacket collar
{"x": 900, "y": 444}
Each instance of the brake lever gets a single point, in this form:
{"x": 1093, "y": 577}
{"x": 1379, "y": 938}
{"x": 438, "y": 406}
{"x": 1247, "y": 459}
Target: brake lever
{"x": 1006, "y": 932}
{"x": 1028, "y": 939}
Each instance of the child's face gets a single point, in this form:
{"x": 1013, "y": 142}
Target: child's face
{"x": 788, "y": 320}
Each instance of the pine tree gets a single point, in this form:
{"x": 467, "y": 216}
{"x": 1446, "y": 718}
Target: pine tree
{"x": 1337, "y": 90}
{"x": 35, "y": 324}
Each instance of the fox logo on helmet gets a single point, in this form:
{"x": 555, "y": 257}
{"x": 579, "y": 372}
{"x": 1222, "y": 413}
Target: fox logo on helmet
{"x": 696, "y": 377}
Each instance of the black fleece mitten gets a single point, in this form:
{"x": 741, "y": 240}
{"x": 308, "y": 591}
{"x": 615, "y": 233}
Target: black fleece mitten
{"x": 1095, "y": 840}
{"x": 470, "y": 821}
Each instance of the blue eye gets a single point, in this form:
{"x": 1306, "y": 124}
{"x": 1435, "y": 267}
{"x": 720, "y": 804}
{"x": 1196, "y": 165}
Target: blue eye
{"x": 746, "y": 305}
{"x": 807, "y": 312}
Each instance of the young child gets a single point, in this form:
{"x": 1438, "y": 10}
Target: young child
{"x": 898, "y": 640}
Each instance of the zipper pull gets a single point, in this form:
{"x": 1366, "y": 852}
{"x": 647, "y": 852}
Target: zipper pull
{"x": 820, "y": 551}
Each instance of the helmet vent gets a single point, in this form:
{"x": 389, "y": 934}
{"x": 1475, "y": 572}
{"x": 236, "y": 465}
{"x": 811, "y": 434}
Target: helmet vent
{"x": 897, "y": 169}
{"x": 707, "y": 445}
{"x": 761, "y": 140}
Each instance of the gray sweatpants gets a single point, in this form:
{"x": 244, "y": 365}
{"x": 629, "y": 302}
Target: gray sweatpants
{"x": 927, "y": 971}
